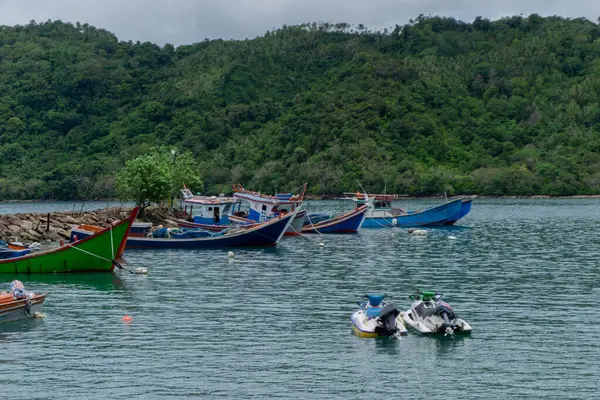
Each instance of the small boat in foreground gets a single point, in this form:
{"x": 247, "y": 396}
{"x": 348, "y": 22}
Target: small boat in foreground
{"x": 377, "y": 318}
{"x": 350, "y": 222}
{"x": 19, "y": 304}
{"x": 429, "y": 314}
{"x": 91, "y": 254}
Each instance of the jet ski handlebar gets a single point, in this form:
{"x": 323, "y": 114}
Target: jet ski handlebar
{"x": 426, "y": 295}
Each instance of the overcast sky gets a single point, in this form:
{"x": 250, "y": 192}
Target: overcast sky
{"x": 189, "y": 21}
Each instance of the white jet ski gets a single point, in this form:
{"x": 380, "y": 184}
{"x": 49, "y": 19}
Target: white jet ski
{"x": 429, "y": 314}
{"x": 377, "y": 318}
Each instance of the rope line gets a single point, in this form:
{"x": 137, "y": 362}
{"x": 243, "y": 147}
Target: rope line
{"x": 311, "y": 224}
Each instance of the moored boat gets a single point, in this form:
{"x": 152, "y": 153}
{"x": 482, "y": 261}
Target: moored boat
{"x": 7, "y": 252}
{"x": 90, "y": 254}
{"x": 140, "y": 229}
{"x": 212, "y": 213}
{"x": 429, "y": 314}
{"x": 464, "y": 210}
{"x": 262, "y": 207}
{"x": 349, "y": 222}
{"x": 19, "y": 304}
{"x": 382, "y": 215}
{"x": 259, "y": 235}
{"x": 377, "y": 318}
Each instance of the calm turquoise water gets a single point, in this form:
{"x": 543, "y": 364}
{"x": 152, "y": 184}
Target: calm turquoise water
{"x": 274, "y": 323}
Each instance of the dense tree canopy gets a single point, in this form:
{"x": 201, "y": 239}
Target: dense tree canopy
{"x": 490, "y": 107}
{"x": 157, "y": 177}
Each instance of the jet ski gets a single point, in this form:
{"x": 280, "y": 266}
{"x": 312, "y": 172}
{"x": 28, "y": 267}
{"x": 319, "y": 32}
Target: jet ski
{"x": 377, "y": 318}
{"x": 430, "y": 314}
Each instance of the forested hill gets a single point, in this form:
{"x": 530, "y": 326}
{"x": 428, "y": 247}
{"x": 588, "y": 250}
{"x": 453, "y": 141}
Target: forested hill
{"x": 490, "y": 107}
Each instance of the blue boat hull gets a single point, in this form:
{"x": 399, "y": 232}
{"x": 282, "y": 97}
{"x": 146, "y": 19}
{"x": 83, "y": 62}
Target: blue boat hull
{"x": 264, "y": 235}
{"x": 464, "y": 210}
{"x": 347, "y": 223}
{"x": 432, "y": 216}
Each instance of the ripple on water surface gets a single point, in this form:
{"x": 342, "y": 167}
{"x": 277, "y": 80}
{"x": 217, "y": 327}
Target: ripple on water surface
{"x": 275, "y": 322}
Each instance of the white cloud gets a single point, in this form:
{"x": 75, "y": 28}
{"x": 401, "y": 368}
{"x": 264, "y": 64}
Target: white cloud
{"x": 189, "y": 21}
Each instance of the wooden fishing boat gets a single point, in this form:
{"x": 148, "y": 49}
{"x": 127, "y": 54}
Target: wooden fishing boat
{"x": 211, "y": 213}
{"x": 15, "y": 307}
{"x": 349, "y": 222}
{"x": 94, "y": 253}
{"x": 259, "y": 235}
{"x": 196, "y": 225}
{"x": 262, "y": 207}
{"x": 140, "y": 229}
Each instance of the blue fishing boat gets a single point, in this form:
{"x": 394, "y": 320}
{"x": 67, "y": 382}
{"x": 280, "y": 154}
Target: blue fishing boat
{"x": 382, "y": 215}
{"x": 464, "y": 210}
{"x": 262, "y": 207}
{"x": 13, "y": 250}
{"x": 6, "y": 252}
{"x": 211, "y": 213}
{"x": 140, "y": 229}
{"x": 260, "y": 235}
{"x": 349, "y": 222}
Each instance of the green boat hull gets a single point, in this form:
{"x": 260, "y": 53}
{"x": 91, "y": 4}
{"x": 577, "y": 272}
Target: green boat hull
{"x": 93, "y": 254}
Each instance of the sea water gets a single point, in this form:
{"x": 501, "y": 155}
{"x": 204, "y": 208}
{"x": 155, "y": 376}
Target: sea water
{"x": 275, "y": 323}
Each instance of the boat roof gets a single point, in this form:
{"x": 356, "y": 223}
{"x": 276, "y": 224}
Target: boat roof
{"x": 381, "y": 197}
{"x": 278, "y": 198}
{"x": 211, "y": 200}
{"x": 190, "y": 198}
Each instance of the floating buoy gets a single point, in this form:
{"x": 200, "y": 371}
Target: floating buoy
{"x": 321, "y": 244}
{"x": 230, "y": 254}
{"x": 39, "y": 315}
{"x": 452, "y": 237}
{"x": 394, "y": 221}
{"x": 141, "y": 271}
{"x": 127, "y": 319}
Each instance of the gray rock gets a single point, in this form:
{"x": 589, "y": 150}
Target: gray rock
{"x": 70, "y": 220}
{"x": 14, "y": 228}
{"x": 51, "y": 236}
{"x": 26, "y": 225}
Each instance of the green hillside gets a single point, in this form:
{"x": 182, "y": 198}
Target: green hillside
{"x": 490, "y": 107}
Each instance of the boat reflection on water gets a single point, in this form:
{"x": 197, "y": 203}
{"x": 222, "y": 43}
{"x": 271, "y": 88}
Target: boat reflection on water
{"x": 388, "y": 345}
{"x": 17, "y": 328}
{"x": 102, "y": 281}
{"x": 449, "y": 344}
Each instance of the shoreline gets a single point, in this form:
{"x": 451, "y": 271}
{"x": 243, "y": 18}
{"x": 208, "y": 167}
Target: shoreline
{"x": 55, "y": 226}
{"x": 338, "y": 197}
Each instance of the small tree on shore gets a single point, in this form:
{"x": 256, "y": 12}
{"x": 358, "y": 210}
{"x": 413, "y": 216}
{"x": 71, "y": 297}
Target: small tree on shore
{"x": 155, "y": 177}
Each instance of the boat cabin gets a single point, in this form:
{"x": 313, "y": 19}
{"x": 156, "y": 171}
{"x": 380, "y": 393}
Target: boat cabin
{"x": 382, "y": 205}
{"x": 211, "y": 210}
{"x": 263, "y": 207}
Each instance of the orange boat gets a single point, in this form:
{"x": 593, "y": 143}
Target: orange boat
{"x": 19, "y": 305}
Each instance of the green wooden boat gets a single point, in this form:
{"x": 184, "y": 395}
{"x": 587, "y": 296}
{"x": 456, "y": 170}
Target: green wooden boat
{"x": 96, "y": 253}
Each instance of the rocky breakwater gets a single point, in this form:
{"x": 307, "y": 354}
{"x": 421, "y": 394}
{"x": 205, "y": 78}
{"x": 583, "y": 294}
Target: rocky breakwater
{"x": 55, "y": 226}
